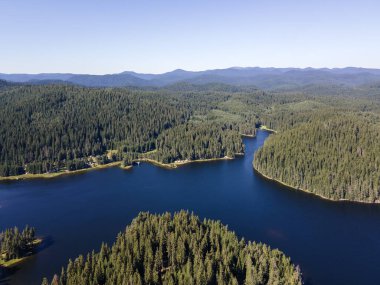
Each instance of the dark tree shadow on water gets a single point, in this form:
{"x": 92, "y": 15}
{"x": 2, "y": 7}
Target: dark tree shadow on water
{"x": 6, "y": 273}
{"x": 307, "y": 281}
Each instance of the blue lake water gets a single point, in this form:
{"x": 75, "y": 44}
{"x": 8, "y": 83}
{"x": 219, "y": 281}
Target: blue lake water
{"x": 334, "y": 243}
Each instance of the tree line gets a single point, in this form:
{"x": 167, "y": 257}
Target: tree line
{"x": 194, "y": 141}
{"x": 15, "y": 243}
{"x": 48, "y": 128}
{"x": 179, "y": 249}
{"x": 336, "y": 157}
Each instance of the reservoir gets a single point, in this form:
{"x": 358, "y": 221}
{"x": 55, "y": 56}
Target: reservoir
{"x": 333, "y": 242}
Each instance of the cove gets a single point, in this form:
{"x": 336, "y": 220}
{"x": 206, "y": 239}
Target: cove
{"x": 333, "y": 242}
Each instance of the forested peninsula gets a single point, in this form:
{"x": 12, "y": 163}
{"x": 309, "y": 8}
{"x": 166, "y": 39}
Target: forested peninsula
{"x": 17, "y": 244}
{"x": 179, "y": 249}
{"x": 336, "y": 158}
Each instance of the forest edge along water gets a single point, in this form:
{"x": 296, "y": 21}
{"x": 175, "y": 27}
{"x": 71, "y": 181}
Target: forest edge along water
{"x": 172, "y": 165}
{"x": 328, "y": 240}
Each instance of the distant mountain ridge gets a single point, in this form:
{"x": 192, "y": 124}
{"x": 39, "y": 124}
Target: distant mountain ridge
{"x": 265, "y": 78}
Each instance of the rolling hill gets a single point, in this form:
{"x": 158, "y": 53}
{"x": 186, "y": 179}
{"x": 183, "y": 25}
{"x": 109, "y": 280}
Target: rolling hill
{"x": 265, "y": 78}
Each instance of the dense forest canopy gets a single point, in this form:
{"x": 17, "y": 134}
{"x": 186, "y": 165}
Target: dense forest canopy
{"x": 15, "y": 243}
{"x": 44, "y": 126}
{"x": 179, "y": 249}
{"x": 52, "y": 128}
{"x": 337, "y": 157}
{"x": 206, "y": 140}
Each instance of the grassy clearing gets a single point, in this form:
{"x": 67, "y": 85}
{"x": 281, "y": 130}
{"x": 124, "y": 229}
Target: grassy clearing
{"x": 307, "y": 105}
{"x": 178, "y": 163}
{"x": 235, "y": 105}
{"x": 57, "y": 174}
{"x": 150, "y": 152}
{"x": 111, "y": 152}
{"x": 218, "y": 116}
{"x": 222, "y": 116}
{"x": 12, "y": 262}
{"x": 265, "y": 128}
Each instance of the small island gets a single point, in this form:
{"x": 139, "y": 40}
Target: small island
{"x": 16, "y": 245}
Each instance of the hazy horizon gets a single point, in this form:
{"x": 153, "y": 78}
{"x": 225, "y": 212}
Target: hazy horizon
{"x": 97, "y": 37}
{"x": 209, "y": 69}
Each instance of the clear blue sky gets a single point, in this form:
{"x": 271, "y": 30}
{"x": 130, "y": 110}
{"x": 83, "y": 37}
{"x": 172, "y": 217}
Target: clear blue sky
{"x": 98, "y": 36}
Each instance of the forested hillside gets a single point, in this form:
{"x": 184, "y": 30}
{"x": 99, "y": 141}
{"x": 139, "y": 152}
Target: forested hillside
{"x": 336, "y": 156}
{"x": 179, "y": 249}
{"x": 43, "y": 128}
{"x": 198, "y": 141}
{"x": 49, "y": 128}
{"x": 266, "y": 78}
{"x": 55, "y": 128}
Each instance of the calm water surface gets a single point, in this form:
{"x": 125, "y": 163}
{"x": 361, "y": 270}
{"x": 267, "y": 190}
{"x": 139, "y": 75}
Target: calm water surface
{"x": 334, "y": 243}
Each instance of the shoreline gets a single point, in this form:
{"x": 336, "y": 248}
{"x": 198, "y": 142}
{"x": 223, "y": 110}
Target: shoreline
{"x": 248, "y": 136}
{"x": 179, "y": 163}
{"x": 265, "y": 128}
{"x": 13, "y": 262}
{"x": 172, "y": 165}
{"x": 309, "y": 192}
{"x": 61, "y": 173}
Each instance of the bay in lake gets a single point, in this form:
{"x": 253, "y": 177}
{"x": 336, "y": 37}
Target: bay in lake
{"x": 334, "y": 243}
